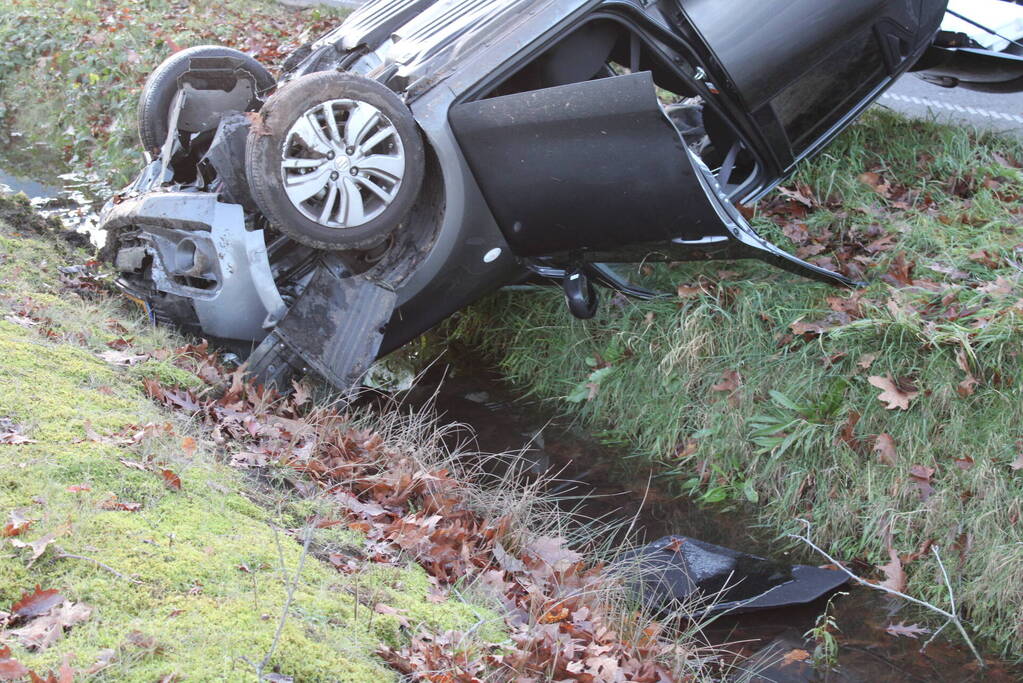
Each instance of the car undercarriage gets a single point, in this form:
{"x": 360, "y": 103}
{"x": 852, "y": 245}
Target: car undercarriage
{"x": 427, "y": 152}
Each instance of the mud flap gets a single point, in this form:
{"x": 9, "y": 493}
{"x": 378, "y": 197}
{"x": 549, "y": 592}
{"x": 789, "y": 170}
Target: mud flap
{"x": 335, "y": 328}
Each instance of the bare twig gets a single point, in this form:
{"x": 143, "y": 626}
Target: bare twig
{"x": 292, "y": 585}
{"x": 69, "y": 556}
{"x": 951, "y": 616}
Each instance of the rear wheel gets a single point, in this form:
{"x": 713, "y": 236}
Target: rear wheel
{"x": 337, "y": 162}
{"x": 161, "y": 87}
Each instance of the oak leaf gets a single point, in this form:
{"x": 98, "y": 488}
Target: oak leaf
{"x": 894, "y": 396}
{"x": 895, "y": 575}
{"x": 910, "y": 631}
{"x": 38, "y": 546}
{"x": 35, "y": 603}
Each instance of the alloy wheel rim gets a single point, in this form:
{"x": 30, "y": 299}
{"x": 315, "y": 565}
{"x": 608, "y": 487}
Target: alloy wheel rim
{"x": 342, "y": 163}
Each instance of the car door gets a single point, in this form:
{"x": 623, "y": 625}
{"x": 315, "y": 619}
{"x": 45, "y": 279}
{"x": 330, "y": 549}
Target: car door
{"x": 595, "y": 171}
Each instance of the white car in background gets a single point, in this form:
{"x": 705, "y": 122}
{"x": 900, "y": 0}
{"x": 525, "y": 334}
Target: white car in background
{"x": 980, "y": 47}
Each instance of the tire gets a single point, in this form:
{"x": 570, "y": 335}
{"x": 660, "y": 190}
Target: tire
{"x": 354, "y": 208}
{"x": 162, "y": 85}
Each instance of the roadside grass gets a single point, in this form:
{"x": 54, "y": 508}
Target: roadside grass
{"x": 203, "y": 573}
{"x": 71, "y": 71}
{"x": 752, "y": 384}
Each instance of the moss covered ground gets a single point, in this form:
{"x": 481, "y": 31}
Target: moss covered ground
{"x": 750, "y": 384}
{"x": 194, "y": 582}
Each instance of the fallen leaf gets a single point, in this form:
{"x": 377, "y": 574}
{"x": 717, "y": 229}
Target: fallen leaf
{"x": 115, "y": 504}
{"x": 1017, "y": 464}
{"x": 381, "y": 608}
{"x": 921, "y": 477}
{"x": 10, "y": 669}
{"x": 1001, "y": 287}
{"x": 188, "y": 446}
{"x": 38, "y": 547}
{"x": 553, "y": 552}
{"x": 884, "y": 446}
{"x": 47, "y": 629}
{"x": 793, "y": 656}
{"x": 16, "y": 526}
{"x": 848, "y": 432}
{"x": 122, "y": 358}
{"x": 901, "y": 629}
{"x": 35, "y": 603}
{"x": 10, "y": 434}
{"x": 866, "y": 360}
{"x": 964, "y": 463}
{"x": 79, "y": 488}
{"x": 172, "y": 480}
{"x": 895, "y": 575}
{"x": 506, "y": 560}
{"x": 892, "y": 395}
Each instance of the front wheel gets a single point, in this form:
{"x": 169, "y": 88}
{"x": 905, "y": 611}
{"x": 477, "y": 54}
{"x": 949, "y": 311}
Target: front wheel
{"x": 336, "y": 162}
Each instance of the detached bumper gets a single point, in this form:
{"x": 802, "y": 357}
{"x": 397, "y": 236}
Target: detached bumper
{"x": 190, "y": 245}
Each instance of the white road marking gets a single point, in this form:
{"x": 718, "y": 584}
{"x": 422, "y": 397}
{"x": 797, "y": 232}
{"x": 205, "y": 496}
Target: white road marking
{"x": 934, "y": 104}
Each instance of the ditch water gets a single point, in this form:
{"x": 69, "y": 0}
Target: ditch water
{"x": 617, "y": 487}
{"x": 614, "y": 487}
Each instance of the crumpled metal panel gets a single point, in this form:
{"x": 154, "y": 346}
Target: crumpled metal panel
{"x": 338, "y": 324}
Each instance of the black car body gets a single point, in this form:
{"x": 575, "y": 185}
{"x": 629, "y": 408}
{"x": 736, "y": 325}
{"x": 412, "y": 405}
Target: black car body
{"x": 557, "y": 136}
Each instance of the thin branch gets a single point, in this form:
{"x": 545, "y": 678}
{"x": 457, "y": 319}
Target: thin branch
{"x": 951, "y": 616}
{"x": 70, "y": 556}
{"x": 292, "y": 585}
{"x": 952, "y": 602}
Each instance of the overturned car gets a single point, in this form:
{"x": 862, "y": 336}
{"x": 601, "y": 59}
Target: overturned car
{"x": 427, "y": 152}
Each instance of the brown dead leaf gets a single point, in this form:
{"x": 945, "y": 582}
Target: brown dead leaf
{"x": 866, "y": 360}
{"x": 47, "y": 629}
{"x": 188, "y": 446}
{"x": 122, "y": 358}
{"x": 38, "y": 547}
{"x": 1001, "y": 287}
{"x": 11, "y": 434}
{"x": 892, "y": 395}
{"x": 895, "y": 575}
{"x": 901, "y": 629}
{"x": 730, "y": 382}
{"x": 923, "y": 478}
{"x": 172, "y": 480}
{"x": 848, "y": 432}
{"x": 16, "y": 526}
{"x": 1017, "y": 464}
{"x": 793, "y": 656}
{"x": 553, "y": 553}
{"x": 10, "y": 668}
{"x": 114, "y": 504}
{"x": 884, "y": 446}
{"x": 381, "y": 608}
{"x": 35, "y": 603}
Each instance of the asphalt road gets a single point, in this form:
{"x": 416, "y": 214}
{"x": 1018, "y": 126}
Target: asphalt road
{"x": 915, "y": 97}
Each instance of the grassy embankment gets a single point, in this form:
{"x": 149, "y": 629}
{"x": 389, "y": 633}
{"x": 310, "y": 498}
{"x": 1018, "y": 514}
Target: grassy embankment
{"x": 755, "y": 385}
{"x": 71, "y": 71}
{"x": 193, "y": 581}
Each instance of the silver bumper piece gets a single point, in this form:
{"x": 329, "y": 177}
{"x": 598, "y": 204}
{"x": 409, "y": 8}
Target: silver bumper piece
{"x": 201, "y": 250}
